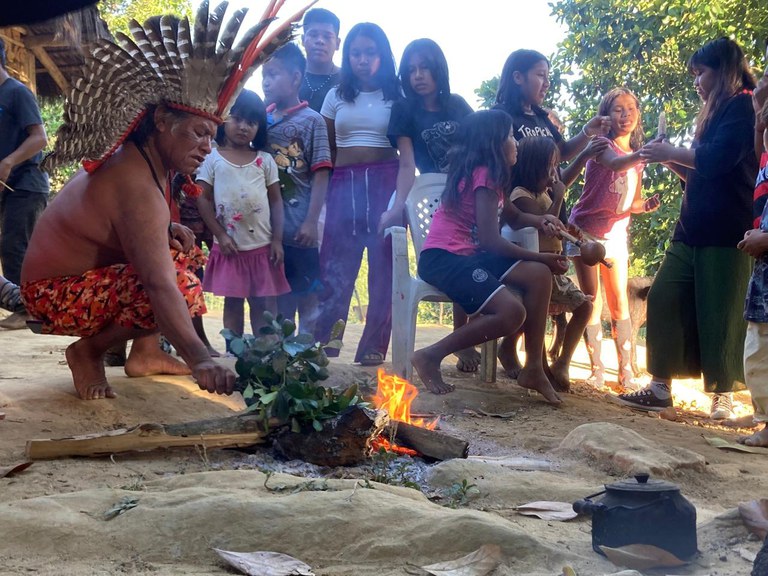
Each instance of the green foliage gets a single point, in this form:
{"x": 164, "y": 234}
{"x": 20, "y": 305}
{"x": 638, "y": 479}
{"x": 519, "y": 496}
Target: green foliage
{"x": 278, "y": 374}
{"x": 390, "y": 468}
{"x": 646, "y": 47}
{"x": 460, "y": 493}
{"x": 52, "y": 112}
{"x": 118, "y": 13}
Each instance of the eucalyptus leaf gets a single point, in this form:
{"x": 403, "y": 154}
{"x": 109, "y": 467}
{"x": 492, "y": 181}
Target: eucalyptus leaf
{"x": 268, "y": 398}
{"x": 337, "y": 330}
{"x": 237, "y": 346}
{"x": 295, "y": 426}
{"x": 248, "y": 392}
{"x": 334, "y": 344}
{"x": 227, "y": 334}
{"x": 288, "y": 328}
{"x": 317, "y": 425}
{"x": 295, "y": 348}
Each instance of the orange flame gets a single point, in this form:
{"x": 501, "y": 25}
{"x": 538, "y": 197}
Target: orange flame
{"x": 396, "y": 395}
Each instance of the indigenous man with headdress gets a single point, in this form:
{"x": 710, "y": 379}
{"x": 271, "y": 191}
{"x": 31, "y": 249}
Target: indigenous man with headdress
{"x": 99, "y": 264}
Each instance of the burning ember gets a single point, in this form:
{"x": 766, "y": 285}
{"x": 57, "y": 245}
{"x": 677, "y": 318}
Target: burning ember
{"x": 396, "y": 395}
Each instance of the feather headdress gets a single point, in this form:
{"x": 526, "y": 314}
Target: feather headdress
{"x": 198, "y": 70}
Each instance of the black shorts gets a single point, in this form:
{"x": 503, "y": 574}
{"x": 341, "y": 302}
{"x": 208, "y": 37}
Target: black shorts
{"x": 470, "y": 281}
{"x": 302, "y": 269}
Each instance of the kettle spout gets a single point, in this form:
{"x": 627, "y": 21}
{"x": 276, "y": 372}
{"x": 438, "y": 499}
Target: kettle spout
{"x": 587, "y": 507}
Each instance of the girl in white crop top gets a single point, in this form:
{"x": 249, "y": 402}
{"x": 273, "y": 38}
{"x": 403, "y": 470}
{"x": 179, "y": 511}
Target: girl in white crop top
{"x": 365, "y": 172}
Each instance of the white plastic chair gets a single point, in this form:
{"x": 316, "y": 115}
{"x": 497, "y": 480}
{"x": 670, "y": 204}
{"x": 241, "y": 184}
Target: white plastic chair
{"x": 408, "y": 290}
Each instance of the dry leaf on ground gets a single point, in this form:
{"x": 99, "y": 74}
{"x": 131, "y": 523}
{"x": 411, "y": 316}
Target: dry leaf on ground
{"x": 6, "y": 471}
{"x": 754, "y": 514}
{"x": 479, "y": 563}
{"x": 641, "y": 557}
{"x": 265, "y": 563}
{"x": 545, "y": 510}
{"x": 725, "y": 445}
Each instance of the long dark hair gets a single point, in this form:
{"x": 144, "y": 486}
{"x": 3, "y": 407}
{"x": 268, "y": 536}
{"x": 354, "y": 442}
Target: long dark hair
{"x": 249, "y": 107}
{"x": 535, "y": 157}
{"x": 437, "y": 64}
{"x": 727, "y": 59}
{"x": 385, "y": 76}
{"x": 479, "y": 143}
{"x": 509, "y": 97}
{"x": 604, "y": 109}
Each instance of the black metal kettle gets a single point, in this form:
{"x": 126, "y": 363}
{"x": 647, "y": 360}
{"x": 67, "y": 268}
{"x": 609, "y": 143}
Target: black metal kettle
{"x": 642, "y": 511}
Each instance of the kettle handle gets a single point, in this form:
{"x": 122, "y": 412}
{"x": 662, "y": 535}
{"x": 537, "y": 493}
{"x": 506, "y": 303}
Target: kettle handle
{"x": 587, "y": 506}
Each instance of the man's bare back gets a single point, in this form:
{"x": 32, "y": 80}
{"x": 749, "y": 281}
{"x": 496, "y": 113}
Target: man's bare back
{"x": 119, "y": 215}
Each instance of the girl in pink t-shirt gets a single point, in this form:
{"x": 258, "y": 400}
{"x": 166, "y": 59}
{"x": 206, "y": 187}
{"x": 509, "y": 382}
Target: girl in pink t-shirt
{"x": 612, "y": 192}
{"x": 465, "y": 256}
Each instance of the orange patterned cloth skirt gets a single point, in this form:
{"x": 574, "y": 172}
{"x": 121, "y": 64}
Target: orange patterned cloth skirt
{"x": 84, "y": 305}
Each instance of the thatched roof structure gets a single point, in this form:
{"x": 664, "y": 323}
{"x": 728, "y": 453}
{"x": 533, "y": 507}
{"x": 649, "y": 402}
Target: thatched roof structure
{"x": 45, "y": 55}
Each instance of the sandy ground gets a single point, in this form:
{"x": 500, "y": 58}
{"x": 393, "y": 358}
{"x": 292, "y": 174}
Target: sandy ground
{"x": 186, "y": 508}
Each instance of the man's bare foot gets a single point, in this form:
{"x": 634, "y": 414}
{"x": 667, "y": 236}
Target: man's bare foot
{"x": 469, "y": 360}
{"x": 757, "y": 439}
{"x": 155, "y": 361}
{"x": 428, "y": 369}
{"x": 508, "y": 357}
{"x": 559, "y": 375}
{"x": 536, "y": 379}
{"x": 88, "y": 372}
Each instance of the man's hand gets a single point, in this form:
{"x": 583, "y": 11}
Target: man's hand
{"x": 307, "y": 235}
{"x": 213, "y": 377}
{"x": 5, "y": 171}
{"x": 227, "y": 246}
{"x": 180, "y": 237}
{"x": 556, "y": 262}
{"x": 755, "y": 243}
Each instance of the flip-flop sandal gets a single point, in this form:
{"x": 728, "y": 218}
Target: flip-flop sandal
{"x": 372, "y": 359}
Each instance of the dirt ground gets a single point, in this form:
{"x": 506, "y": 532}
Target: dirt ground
{"x": 190, "y": 508}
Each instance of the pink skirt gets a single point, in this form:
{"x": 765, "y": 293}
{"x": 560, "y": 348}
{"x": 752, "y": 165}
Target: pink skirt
{"x": 247, "y": 274}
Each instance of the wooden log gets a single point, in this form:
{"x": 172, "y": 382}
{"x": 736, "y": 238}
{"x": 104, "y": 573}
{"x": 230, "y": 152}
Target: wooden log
{"x": 344, "y": 440}
{"x": 429, "y": 443}
{"x": 140, "y": 438}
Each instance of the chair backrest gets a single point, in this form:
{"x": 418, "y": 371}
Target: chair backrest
{"x": 420, "y": 206}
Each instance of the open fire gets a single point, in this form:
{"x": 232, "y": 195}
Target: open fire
{"x": 396, "y": 396}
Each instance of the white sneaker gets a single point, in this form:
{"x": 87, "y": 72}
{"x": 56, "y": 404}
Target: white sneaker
{"x": 722, "y": 407}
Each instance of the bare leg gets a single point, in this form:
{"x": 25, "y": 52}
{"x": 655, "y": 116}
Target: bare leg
{"x": 508, "y": 356}
{"x": 146, "y": 358}
{"x": 573, "y": 333}
{"x": 233, "y": 315}
{"x": 759, "y": 438}
{"x": 469, "y": 358}
{"x": 589, "y": 282}
{"x": 85, "y": 358}
{"x": 535, "y": 281}
{"x": 502, "y": 315}
{"x": 257, "y": 307}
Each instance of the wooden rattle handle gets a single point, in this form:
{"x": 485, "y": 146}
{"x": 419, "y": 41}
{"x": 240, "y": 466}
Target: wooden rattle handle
{"x": 571, "y": 238}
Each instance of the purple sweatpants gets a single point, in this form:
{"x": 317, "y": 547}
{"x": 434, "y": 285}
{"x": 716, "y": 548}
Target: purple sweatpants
{"x": 358, "y": 194}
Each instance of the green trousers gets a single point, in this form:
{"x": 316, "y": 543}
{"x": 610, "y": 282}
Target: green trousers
{"x": 695, "y": 316}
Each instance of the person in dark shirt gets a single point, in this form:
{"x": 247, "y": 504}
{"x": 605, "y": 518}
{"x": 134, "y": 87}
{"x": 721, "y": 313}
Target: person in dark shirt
{"x": 23, "y": 185}
{"x": 695, "y": 322}
{"x": 320, "y": 41}
{"x": 422, "y": 127}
